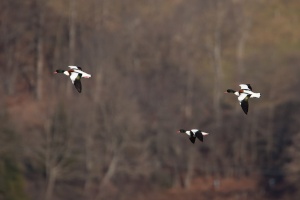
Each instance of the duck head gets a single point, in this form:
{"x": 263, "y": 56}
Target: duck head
{"x": 181, "y": 131}
{"x": 230, "y": 91}
{"x": 59, "y": 71}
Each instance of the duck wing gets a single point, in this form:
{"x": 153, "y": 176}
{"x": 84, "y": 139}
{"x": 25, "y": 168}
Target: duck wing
{"x": 249, "y": 86}
{"x": 192, "y": 138}
{"x": 73, "y": 75}
{"x": 245, "y": 86}
{"x": 77, "y": 84}
{"x": 199, "y": 135}
{"x": 245, "y": 104}
{"x": 75, "y": 78}
{"x": 242, "y": 96}
{"x": 84, "y": 74}
{"x": 75, "y": 67}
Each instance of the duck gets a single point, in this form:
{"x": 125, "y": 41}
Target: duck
{"x": 244, "y": 94}
{"x": 75, "y": 74}
{"x": 194, "y": 133}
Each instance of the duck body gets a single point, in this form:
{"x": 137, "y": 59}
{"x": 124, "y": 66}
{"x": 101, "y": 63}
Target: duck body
{"x": 243, "y": 95}
{"x": 75, "y": 74}
{"x": 247, "y": 89}
{"x": 193, "y": 134}
{"x": 79, "y": 71}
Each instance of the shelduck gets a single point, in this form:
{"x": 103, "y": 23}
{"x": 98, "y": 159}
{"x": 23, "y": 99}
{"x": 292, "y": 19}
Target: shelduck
{"x": 193, "y": 134}
{"x": 75, "y": 74}
{"x": 243, "y": 95}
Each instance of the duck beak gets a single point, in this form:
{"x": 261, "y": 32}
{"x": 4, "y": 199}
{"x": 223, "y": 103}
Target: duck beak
{"x": 177, "y": 131}
{"x": 54, "y": 72}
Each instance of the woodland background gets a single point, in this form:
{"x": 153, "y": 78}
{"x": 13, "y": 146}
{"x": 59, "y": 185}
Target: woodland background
{"x": 157, "y": 66}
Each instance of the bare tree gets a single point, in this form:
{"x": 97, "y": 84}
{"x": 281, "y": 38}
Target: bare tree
{"x": 217, "y": 59}
{"x": 72, "y": 36}
{"x": 40, "y": 49}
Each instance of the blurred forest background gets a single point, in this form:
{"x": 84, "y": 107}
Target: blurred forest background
{"x": 157, "y": 66}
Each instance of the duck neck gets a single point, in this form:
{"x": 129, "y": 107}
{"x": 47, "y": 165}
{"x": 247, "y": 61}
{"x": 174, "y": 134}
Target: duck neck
{"x": 182, "y": 131}
{"x": 233, "y": 91}
{"x": 60, "y": 71}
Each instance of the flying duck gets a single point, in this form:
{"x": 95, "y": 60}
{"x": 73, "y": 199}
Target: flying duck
{"x": 194, "y": 133}
{"x": 75, "y": 74}
{"x": 243, "y": 95}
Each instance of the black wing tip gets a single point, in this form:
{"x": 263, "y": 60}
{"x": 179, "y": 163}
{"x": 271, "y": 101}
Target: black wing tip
{"x": 245, "y": 110}
{"x": 78, "y": 90}
{"x": 245, "y": 106}
{"x": 192, "y": 139}
{"x": 199, "y": 136}
{"x": 249, "y": 86}
{"x": 77, "y": 84}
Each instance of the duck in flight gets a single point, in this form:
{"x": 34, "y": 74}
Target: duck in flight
{"x": 243, "y": 95}
{"x": 75, "y": 74}
{"x": 193, "y": 134}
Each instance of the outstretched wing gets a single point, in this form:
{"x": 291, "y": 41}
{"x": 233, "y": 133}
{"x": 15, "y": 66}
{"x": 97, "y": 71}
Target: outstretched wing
{"x": 242, "y": 97}
{"x": 245, "y": 86}
{"x": 79, "y": 71}
{"x": 74, "y": 67}
{"x": 77, "y": 83}
{"x": 74, "y": 76}
{"x": 192, "y": 139}
{"x": 249, "y": 86}
{"x": 245, "y": 105}
{"x": 199, "y": 135}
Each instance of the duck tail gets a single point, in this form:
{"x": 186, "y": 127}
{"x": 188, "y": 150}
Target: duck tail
{"x": 204, "y": 133}
{"x": 256, "y": 95}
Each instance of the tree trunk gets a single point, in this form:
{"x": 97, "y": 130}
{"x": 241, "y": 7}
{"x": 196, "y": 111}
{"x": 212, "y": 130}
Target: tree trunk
{"x": 218, "y": 69}
{"x": 217, "y": 62}
{"x": 72, "y": 38}
{"x": 189, "y": 94}
{"x": 51, "y": 183}
{"x": 99, "y": 38}
{"x": 111, "y": 170}
{"x": 240, "y": 49}
{"x": 40, "y": 58}
{"x": 89, "y": 164}
{"x": 10, "y": 83}
{"x": 51, "y": 171}
{"x": 11, "y": 59}
{"x": 218, "y": 77}
{"x": 109, "y": 173}
{"x": 190, "y": 169}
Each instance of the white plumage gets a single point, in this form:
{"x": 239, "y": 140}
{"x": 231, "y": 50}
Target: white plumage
{"x": 75, "y": 73}
{"x": 79, "y": 71}
{"x": 193, "y": 134}
{"x": 243, "y": 95}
